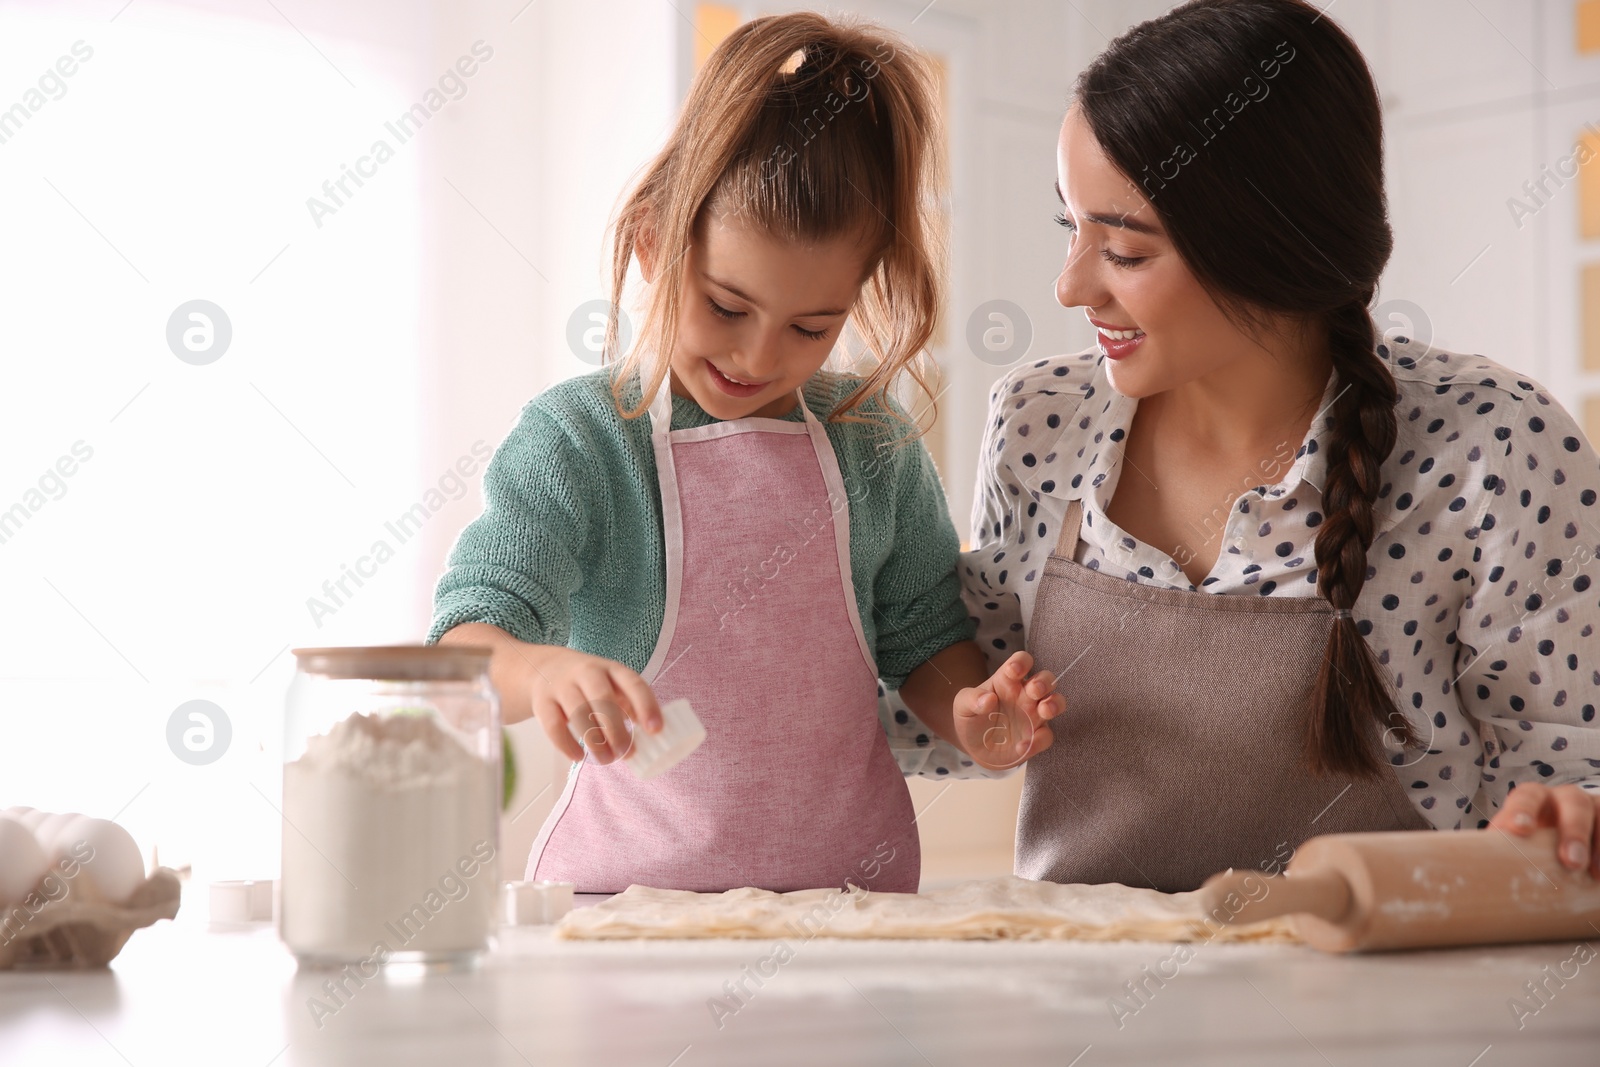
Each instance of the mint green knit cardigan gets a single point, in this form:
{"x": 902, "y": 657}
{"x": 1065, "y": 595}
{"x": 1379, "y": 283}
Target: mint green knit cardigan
{"x": 569, "y": 548}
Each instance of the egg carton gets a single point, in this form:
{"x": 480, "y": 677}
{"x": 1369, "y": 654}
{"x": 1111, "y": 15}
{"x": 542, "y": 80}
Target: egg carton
{"x": 81, "y": 930}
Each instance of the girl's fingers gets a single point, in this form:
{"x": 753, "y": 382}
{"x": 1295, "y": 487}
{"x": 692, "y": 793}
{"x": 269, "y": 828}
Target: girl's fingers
{"x": 605, "y": 708}
{"x": 983, "y": 723}
{"x": 1018, "y": 665}
{"x": 588, "y": 718}
{"x": 1009, "y": 714}
{"x": 1038, "y": 699}
{"x": 973, "y": 706}
{"x": 964, "y": 706}
{"x": 641, "y": 699}
{"x": 1009, "y": 682}
{"x": 1043, "y": 738}
{"x": 1021, "y": 729}
{"x": 585, "y": 723}
{"x": 1020, "y": 736}
{"x": 554, "y": 721}
{"x": 1040, "y": 686}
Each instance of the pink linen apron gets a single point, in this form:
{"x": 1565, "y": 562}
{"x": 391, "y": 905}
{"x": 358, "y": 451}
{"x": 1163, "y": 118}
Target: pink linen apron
{"x": 1179, "y": 754}
{"x": 795, "y": 786}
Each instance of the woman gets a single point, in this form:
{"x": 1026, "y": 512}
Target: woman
{"x": 1293, "y": 580}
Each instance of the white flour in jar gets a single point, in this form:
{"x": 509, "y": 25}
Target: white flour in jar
{"x": 388, "y": 842}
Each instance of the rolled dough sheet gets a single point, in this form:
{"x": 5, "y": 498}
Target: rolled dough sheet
{"x": 989, "y": 909}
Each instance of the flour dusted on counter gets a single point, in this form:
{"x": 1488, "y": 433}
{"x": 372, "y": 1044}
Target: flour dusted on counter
{"x": 388, "y": 841}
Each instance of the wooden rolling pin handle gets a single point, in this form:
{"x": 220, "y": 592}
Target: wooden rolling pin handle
{"x": 1324, "y": 893}
{"x": 1382, "y": 890}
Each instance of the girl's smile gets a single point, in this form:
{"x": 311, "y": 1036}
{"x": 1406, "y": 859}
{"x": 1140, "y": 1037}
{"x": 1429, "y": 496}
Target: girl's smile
{"x": 759, "y": 316}
{"x": 731, "y": 385}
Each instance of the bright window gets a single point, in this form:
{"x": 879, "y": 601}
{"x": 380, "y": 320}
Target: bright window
{"x": 175, "y": 163}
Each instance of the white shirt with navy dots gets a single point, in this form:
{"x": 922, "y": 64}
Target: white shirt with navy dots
{"x": 1480, "y": 601}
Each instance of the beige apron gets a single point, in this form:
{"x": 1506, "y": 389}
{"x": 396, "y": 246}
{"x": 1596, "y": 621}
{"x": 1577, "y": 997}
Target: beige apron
{"x": 1179, "y": 754}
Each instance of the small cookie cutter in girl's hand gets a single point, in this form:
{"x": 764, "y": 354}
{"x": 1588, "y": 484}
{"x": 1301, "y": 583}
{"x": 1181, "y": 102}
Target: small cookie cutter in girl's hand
{"x": 652, "y": 754}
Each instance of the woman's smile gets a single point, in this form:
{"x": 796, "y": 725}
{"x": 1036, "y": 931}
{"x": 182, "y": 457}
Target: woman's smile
{"x": 1117, "y": 342}
{"x": 1119, "y": 349}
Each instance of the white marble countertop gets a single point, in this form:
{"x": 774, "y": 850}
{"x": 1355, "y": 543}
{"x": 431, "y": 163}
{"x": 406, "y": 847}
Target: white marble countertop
{"x": 185, "y": 992}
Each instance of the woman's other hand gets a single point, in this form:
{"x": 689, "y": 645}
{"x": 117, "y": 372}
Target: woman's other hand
{"x": 1569, "y": 807}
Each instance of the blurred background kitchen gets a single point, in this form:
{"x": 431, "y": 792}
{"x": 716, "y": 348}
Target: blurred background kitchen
{"x": 183, "y": 499}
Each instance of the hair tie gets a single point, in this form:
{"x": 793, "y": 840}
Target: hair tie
{"x": 814, "y": 58}
{"x": 1341, "y": 613}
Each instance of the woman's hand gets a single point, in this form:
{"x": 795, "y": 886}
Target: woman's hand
{"x": 1569, "y": 807}
{"x": 1005, "y": 720}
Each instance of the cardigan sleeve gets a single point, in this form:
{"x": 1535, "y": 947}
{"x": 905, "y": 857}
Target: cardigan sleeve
{"x": 516, "y": 566}
{"x": 919, "y": 750}
{"x": 916, "y": 595}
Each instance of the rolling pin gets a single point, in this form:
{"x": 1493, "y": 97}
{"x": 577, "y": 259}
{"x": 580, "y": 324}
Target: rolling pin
{"x": 1416, "y": 889}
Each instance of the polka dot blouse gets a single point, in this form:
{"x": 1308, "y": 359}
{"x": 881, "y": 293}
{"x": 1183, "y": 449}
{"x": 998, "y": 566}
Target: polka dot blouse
{"x": 1480, "y": 600}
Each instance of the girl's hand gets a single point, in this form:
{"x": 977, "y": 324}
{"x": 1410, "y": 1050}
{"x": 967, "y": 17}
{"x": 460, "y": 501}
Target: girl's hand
{"x": 1005, "y": 721}
{"x": 1575, "y": 811}
{"x": 595, "y": 696}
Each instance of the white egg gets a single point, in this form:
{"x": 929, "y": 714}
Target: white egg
{"x": 22, "y": 862}
{"x": 47, "y": 829}
{"x": 17, "y": 811}
{"x": 115, "y": 868}
{"x": 32, "y": 818}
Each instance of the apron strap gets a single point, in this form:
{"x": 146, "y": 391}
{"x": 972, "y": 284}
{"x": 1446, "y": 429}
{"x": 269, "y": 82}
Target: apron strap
{"x": 1067, "y": 543}
{"x": 661, "y": 407}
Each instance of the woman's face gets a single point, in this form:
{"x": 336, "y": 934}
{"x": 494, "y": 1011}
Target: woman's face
{"x": 1123, "y": 271}
{"x": 758, "y": 316}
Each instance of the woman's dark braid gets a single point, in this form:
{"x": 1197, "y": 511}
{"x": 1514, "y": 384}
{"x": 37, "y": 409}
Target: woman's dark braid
{"x": 1360, "y": 440}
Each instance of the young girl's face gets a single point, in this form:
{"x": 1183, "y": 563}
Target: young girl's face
{"x": 759, "y": 316}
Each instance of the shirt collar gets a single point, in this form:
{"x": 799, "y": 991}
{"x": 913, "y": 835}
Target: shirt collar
{"x": 1067, "y": 477}
{"x": 1311, "y": 460}
{"x": 1102, "y": 425}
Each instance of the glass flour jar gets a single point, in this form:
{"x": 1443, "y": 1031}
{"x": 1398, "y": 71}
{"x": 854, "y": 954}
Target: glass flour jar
{"x": 391, "y": 786}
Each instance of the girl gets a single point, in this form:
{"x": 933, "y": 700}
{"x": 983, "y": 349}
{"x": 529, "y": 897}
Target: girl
{"x": 1390, "y": 626}
{"x": 733, "y": 548}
